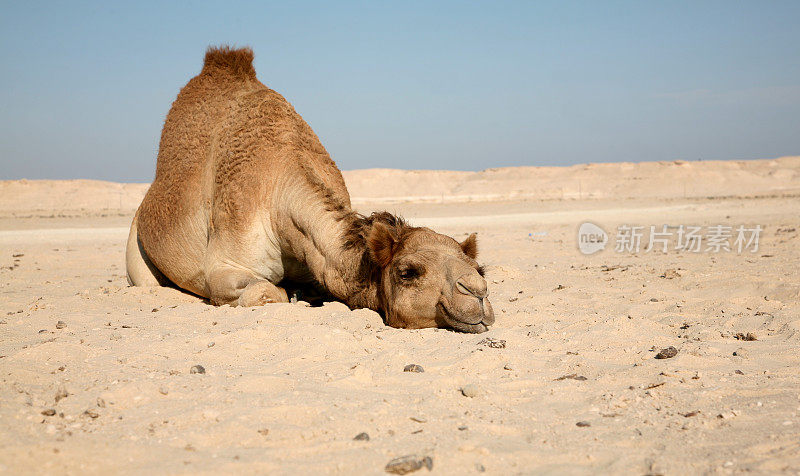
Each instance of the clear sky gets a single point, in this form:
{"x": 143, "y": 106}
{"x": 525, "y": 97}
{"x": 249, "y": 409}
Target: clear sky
{"x": 85, "y": 87}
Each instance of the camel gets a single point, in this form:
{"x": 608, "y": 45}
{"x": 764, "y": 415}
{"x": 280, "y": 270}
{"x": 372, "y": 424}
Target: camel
{"x": 246, "y": 198}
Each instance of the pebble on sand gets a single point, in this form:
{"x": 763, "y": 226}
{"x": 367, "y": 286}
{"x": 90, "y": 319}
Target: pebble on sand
{"x": 580, "y": 378}
{"x": 197, "y": 369}
{"x": 361, "y": 437}
{"x": 667, "y": 353}
{"x": 471, "y": 390}
{"x": 742, "y": 336}
{"x": 670, "y": 274}
{"x": 49, "y": 412}
{"x": 583, "y": 424}
{"x": 61, "y": 325}
{"x": 741, "y": 352}
{"x": 493, "y": 343}
{"x": 61, "y": 393}
{"x": 413, "y": 368}
{"x": 408, "y": 464}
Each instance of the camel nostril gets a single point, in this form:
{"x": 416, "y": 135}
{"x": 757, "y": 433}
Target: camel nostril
{"x": 472, "y": 287}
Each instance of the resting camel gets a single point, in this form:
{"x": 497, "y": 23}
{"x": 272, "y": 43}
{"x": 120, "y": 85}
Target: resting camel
{"x": 246, "y": 198}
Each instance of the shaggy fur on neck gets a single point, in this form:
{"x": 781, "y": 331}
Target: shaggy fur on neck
{"x": 357, "y": 239}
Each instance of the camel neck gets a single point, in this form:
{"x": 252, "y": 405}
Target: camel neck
{"x": 349, "y": 273}
{"x": 331, "y": 242}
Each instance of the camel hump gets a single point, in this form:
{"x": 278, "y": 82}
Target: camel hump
{"x": 238, "y": 61}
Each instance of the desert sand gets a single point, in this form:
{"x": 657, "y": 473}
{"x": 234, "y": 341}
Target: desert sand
{"x": 95, "y": 376}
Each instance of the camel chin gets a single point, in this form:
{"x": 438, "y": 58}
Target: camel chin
{"x": 475, "y": 317}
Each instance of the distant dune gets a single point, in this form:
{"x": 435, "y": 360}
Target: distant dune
{"x": 656, "y": 180}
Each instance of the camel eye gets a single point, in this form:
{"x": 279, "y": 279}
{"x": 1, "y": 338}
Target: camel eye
{"x": 410, "y": 273}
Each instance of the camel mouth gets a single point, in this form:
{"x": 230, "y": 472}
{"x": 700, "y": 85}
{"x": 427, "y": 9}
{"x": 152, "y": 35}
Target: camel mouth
{"x": 477, "y": 325}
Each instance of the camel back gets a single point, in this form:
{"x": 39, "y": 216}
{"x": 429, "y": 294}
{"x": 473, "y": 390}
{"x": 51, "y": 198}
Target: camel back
{"x": 226, "y": 142}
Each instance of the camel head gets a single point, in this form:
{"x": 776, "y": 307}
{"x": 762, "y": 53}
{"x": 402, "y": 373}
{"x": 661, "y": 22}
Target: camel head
{"x": 428, "y": 279}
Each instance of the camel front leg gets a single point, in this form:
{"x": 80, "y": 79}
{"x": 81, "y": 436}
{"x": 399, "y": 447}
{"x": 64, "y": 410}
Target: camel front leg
{"x": 241, "y": 288}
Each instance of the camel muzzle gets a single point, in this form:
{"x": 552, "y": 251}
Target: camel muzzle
{"x": 474, "y": 318}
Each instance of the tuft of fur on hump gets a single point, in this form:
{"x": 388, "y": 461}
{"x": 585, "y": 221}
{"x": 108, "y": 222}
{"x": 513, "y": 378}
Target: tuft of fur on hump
{"x": 238, "y": 62}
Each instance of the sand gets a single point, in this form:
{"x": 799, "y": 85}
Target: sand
{"x": 568, "y": 383}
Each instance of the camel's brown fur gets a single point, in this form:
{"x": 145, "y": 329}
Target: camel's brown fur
{"x": 246, "y": 196}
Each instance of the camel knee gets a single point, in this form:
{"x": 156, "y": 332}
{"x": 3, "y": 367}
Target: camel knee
{"x": 240, "y": 288}
{"x": 259, "y": 293}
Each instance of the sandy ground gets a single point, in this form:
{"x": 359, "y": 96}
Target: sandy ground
{"x": 286, "y": 388}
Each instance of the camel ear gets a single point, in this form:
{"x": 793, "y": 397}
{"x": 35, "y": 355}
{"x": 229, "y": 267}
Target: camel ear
{"x": 382, "y": 243}
{"x": 470, "y": 246}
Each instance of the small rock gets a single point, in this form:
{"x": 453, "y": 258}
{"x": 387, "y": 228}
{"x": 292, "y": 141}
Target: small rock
{"x": 583, "y": 424}
{"x": 91, "y": 413}
{"x": 197, "y": 369}
{"x": 571, "y": 377}
{"x": 742, "y": 336}
{"x": 741, "y": 352}
{"x": 691, "y": 414}
{"x": 653, "y": 299}
{"x": 49, "y": 412}
{"x": 101, "y": 403}
{"x": 61, "y": 325}
{"x": 264, "y": 431}
{"x": 470, "y": 390}
{"x": 163, "y": 390}
{"x": 671, "y": 274}
{"x": 493, "y": 343}
{"x": 408, "y": 464}
{"x": 210, "y": 344}
{"x": 480, "y": 468}
{"x": 508, "y": 367}
{"x": 413, "y": 368}
{"x": 361, "y": 437}
{"x": 667, "y": 353}
{"x": 61, "y": 393}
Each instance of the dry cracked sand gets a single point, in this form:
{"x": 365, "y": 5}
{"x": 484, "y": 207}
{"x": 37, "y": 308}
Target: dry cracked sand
{"x": 96, "y": 377}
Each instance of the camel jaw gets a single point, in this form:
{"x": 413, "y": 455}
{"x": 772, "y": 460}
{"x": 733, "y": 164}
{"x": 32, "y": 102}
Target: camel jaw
{"x": 477, "y": 325}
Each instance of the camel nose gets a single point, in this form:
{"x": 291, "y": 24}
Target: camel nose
{"x": 472, "y": 285}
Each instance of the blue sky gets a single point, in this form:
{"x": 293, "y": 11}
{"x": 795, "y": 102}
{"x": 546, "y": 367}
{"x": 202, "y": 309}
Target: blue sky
{"x": 85, "y": 86}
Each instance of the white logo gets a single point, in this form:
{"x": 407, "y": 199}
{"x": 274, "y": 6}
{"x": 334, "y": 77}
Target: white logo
{"x": 591, "y": 238}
